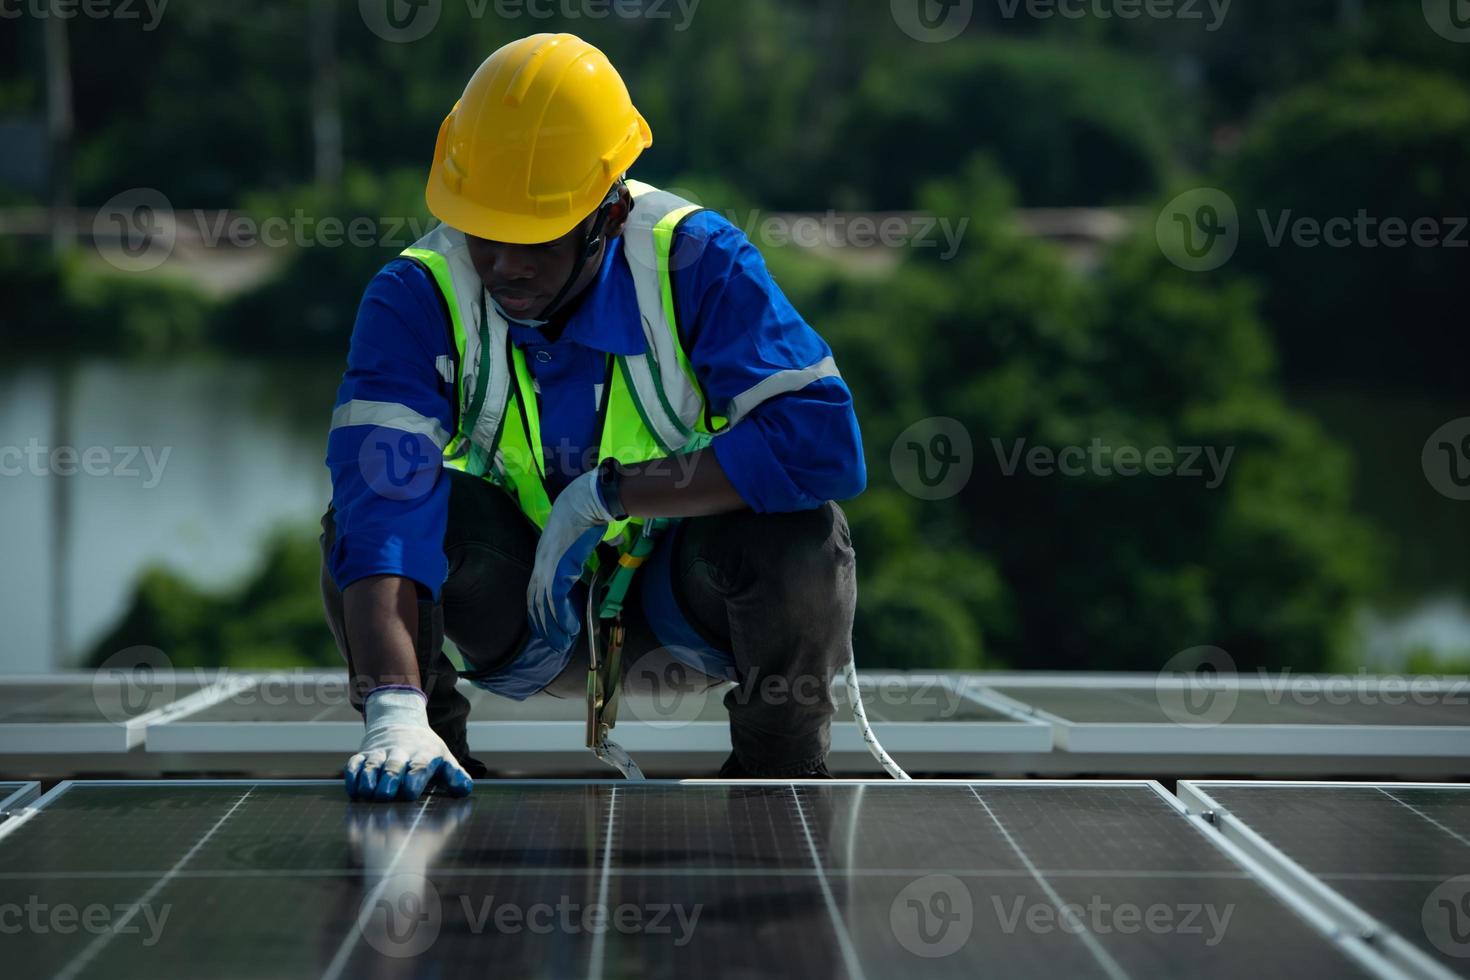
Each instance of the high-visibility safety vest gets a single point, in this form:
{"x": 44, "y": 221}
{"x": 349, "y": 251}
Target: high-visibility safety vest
{"x": 653, "y": 405}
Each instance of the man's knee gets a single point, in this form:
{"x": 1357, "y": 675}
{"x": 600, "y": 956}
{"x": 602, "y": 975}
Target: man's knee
{"x": 490, "y": 547}
{"x": 805, "y": 555}
{"x": 482, "y": 513}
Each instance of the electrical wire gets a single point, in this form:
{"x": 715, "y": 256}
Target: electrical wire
{"x": 861, "y": 714}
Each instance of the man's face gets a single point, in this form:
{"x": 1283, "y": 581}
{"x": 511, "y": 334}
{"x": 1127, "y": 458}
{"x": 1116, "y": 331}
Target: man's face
{"x": 524, "y": 279}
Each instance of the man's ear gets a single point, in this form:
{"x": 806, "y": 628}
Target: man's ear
{"x": 617, "y": 215}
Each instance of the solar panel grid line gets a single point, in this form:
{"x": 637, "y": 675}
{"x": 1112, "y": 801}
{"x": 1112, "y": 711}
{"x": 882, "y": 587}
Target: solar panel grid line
{"x": 1104, "y": 959}
{"x": 599, "y": 939}
{"x": 351, "y": 939}
{"x": 1420, "y": 813}
{"x": 844, "y": 938}
{"x": 1253, "y": 844}
{"x": 1348, "y": 940}
{"x": 101, "y": 939}
{"x": 702, "y": 818}
{"x": 496, "y": 870}
{"x": 1400, "y": 957}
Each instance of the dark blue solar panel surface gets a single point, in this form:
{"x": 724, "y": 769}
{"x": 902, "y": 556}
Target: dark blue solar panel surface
{"x": 646, "y": 880}
{"x": 1399, "y": 853}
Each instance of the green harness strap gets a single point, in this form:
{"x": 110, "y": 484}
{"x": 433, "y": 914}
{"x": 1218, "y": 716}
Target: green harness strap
{"x": 611, "y": 603}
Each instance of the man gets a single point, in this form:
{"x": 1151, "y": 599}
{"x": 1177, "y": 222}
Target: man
{"x": 570, "y": 363}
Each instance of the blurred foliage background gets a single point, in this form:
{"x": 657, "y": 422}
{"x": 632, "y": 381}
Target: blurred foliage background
{"x": 1323, "y": 369}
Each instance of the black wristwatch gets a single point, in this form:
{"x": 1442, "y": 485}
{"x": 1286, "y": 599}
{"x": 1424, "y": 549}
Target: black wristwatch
{"x": 610, "y": 486}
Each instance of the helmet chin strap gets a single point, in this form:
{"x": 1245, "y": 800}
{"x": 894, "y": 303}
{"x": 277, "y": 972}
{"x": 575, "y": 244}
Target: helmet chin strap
{"x": 591, "y": 245}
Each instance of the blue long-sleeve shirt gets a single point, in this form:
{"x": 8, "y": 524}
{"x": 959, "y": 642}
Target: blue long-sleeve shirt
{"x": 394, "y": 412}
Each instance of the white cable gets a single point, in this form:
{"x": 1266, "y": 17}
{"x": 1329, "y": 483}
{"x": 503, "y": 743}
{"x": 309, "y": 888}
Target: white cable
{"x": 861, "y": 714}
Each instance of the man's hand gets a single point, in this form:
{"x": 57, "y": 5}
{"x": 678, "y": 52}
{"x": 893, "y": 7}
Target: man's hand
{"x": 400, "y": 754}
{"x": 578, "y": 521}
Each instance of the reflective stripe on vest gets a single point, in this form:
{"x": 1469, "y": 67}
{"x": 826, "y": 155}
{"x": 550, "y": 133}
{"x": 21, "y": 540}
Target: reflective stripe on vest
{"x": 655, "y": 407}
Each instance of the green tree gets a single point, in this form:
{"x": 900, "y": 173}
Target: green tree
{"x": 1099, "y": 569}
{"x": 1368, "y": 145}
{"x": 272, "y": 619}
{"x": 1069, "y": 124}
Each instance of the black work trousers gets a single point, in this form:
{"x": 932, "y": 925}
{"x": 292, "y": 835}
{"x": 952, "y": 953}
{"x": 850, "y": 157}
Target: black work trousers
{"x": 776, "y": 591}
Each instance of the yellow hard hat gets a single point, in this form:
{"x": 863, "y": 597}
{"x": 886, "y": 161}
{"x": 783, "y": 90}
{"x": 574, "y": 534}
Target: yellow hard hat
{"x": 543, "y": 131}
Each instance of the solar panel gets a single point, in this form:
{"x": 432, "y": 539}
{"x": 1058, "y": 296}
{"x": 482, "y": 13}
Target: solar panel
{"x": 609, "y": 879}
{"x": 963, "y": 724}
{"x": 309, "y": 714}
{"x": 100, "y": 712}
{"x": 1319, "y": 725}
{"x": 1391, "y": 860}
